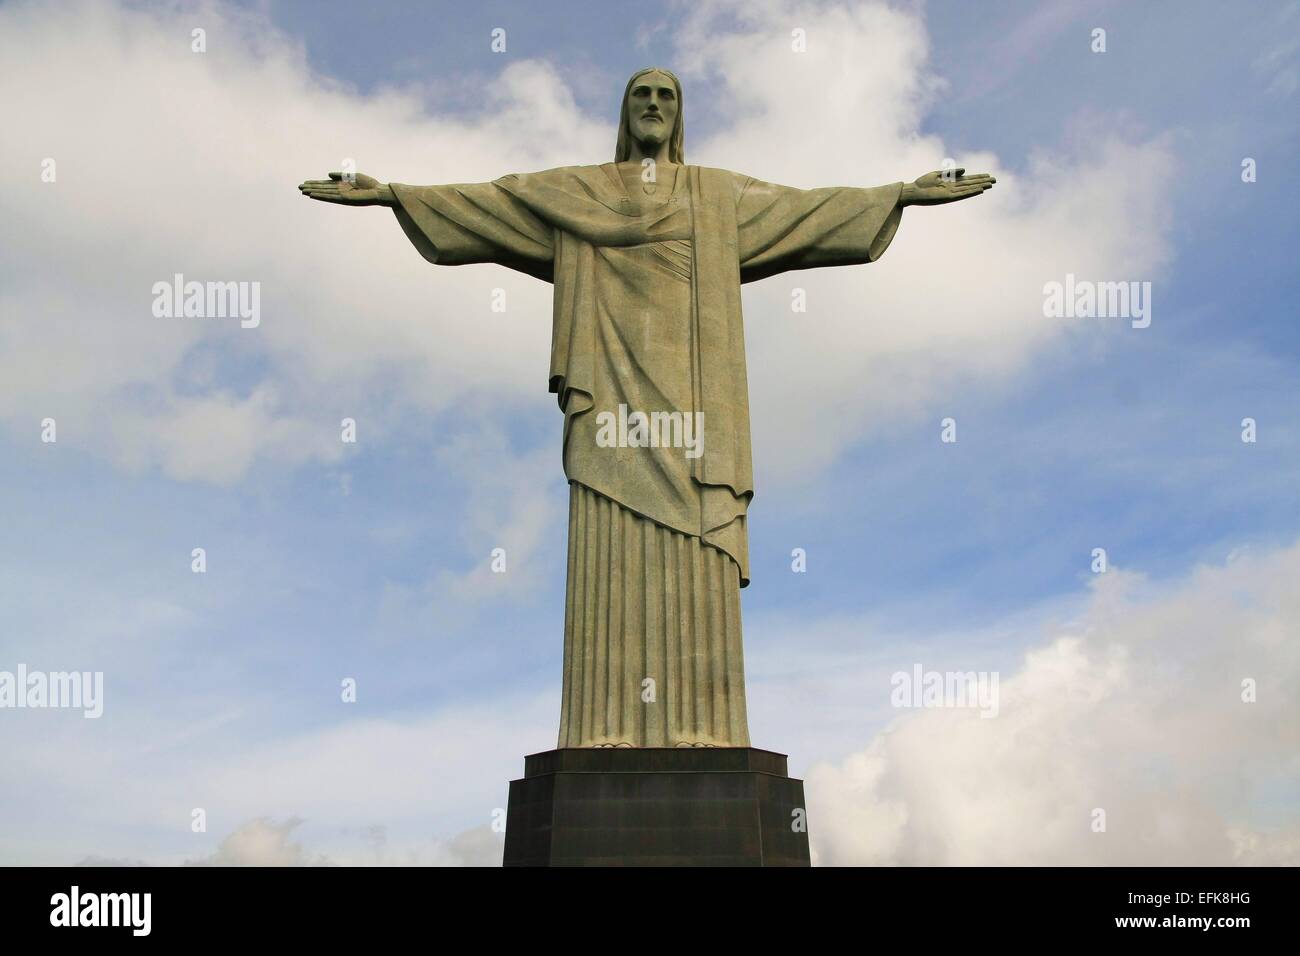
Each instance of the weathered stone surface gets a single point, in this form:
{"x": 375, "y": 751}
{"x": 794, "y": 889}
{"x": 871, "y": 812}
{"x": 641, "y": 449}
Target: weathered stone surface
{"x": 656, "y": 806}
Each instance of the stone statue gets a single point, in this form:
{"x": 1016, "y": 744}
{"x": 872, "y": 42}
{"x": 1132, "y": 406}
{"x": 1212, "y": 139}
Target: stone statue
{"x": 647, "y": 256}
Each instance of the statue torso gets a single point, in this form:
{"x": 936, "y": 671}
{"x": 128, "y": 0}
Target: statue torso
{"x": 668, "y": 186}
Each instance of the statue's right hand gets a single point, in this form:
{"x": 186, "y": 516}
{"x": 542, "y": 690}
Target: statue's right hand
{"x": 356, "y": 189}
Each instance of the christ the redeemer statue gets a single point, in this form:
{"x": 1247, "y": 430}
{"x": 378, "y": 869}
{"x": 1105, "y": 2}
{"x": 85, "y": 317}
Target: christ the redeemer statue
{"x": 647, "y": 256}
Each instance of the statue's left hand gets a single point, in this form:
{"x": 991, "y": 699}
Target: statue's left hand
{"x": 355, "y": 190}
{"x": 941, "y": 186}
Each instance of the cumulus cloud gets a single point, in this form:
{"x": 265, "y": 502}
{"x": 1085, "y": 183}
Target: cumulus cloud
{"x": 481, "y": 846}
{"x": 414, "y": 787}
{"x": 262, "y": 842}
{"x": 1133, "y": 706}
{"x": 1136, "y": 710}
{"x": 107, "y": 861}
{"x": 196, "y": 176}
{"x": 959, "y": 294}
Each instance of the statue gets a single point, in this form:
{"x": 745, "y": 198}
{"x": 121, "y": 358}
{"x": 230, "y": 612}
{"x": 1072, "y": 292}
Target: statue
{"x": 647, "y": 256}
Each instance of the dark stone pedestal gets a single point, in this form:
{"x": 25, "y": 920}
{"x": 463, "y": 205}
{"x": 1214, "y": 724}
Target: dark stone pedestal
{"x": 656, "y": 806}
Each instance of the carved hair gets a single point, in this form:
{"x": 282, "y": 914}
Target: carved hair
{"x": 623, "y": 148}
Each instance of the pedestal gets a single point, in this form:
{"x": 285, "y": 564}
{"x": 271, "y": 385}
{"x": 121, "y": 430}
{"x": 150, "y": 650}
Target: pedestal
{"x": 655, "y": 806}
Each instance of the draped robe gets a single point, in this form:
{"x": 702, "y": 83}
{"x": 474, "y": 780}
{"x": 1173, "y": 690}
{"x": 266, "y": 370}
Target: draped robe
{"x": 647, "y": 316}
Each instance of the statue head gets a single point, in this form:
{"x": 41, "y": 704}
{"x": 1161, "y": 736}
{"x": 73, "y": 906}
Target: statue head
{"x": 651, "y": 113}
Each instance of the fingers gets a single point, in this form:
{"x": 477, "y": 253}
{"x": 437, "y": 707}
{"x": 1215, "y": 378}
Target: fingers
{"x": 973, "y": 185}
{"x": 959, "y": 177}
{"x": 334, "y": 189}
{"x": 322, "y": 189}
{"x": 965, "y": 192}
{"x": 972, "y": 182}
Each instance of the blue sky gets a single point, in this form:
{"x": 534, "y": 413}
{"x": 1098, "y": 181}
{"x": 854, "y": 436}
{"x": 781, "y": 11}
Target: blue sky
{"x": 370, "y": 561}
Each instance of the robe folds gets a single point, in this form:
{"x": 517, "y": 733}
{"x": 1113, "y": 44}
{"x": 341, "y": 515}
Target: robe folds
{"x": 647, "y": 319}
{"x": 615, "y": 341}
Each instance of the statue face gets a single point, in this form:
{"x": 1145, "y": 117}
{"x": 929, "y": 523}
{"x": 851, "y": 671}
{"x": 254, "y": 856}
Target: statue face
{"x": 652, "y": 109}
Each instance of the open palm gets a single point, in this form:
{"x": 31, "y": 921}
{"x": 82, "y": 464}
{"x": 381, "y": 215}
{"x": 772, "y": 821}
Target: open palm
{"x": 355, "y": 190}
{"x": 946, "y": 185}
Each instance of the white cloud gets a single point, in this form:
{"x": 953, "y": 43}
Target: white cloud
{"x": 1136, "y": 710}
{"x": 356, "y": 790}
{"x": 959, "y": 293}
{"x": 189, "y": 166}
{"x": 172, "y": 162}
{"x": 262, "y": 842}
{"x": 1132, "y": 705}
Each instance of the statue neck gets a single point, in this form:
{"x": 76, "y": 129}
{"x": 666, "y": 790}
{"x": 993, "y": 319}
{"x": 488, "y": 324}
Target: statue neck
{"x": 642, "y": 151}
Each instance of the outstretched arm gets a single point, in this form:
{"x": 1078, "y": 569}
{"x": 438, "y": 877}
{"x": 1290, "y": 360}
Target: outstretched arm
{"x": 453, "y": 224}
{"x": 782, "y": 228}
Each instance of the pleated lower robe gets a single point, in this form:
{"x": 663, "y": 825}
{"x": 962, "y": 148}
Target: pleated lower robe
{"x": 652, "y": 638}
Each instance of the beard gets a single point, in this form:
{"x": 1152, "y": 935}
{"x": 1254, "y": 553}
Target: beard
{"x": 649, "y": 131}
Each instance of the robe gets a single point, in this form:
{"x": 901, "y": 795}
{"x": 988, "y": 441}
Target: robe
{"x": 647, "y": 322}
